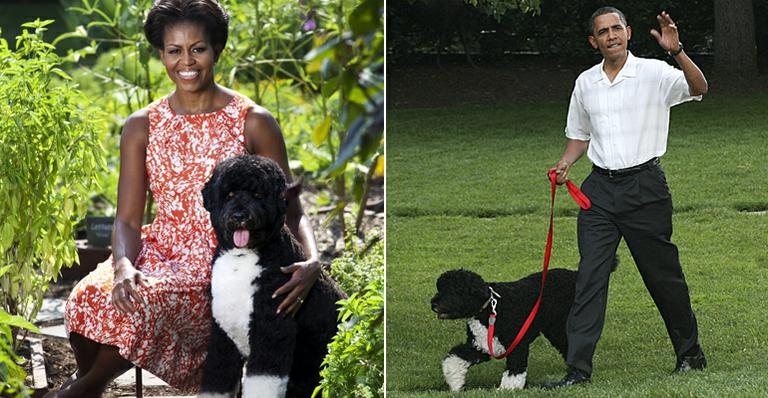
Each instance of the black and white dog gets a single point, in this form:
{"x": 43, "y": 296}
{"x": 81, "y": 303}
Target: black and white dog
{"x": 247, "y": 198}
{"x": 465, "y": 295}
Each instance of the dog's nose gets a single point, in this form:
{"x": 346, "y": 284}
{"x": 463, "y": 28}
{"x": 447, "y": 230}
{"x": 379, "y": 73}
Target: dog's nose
{"x": 239, "y": 216}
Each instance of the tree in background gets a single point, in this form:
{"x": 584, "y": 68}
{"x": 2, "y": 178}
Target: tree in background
{"x": 735, "y": 40}
{"x": 733, "y": 33}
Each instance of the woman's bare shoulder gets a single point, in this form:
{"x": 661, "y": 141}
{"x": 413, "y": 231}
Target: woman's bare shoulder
{"x": 136, "y": 126}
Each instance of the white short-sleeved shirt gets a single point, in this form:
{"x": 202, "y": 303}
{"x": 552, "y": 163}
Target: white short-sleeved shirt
{"x": 626, "y": 121}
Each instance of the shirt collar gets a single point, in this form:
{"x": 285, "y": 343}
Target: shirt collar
{"x": 628, "y": 70}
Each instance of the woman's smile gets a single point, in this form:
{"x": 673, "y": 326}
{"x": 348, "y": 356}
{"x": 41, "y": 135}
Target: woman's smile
{"x": 188, "y": 74}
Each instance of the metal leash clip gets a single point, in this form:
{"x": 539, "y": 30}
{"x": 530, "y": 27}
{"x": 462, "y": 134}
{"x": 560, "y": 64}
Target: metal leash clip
{"x": 494, "y": 295}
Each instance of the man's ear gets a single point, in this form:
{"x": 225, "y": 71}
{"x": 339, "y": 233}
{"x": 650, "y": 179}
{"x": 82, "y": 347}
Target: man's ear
{"x": 592, "y": 41}
{"x": 293, "y": 190}
{"x": 629, "y": 32}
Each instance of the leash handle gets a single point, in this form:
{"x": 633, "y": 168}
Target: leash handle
{"x": 585, "y": 204}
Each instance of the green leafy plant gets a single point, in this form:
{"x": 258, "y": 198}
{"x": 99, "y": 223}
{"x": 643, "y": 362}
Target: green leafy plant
{"x": 359, "y": 264}
{"x": 12, "y": 375}
{"x": 347, "y": 65}
{"x": 125, "y": 76}
{"x": 265, "y": 50}
{"x": 50, "y": 158}
{"x": 354, "y": 366}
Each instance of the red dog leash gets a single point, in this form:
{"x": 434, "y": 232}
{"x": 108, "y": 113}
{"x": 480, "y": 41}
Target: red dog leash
{"x": 585, "y": 204}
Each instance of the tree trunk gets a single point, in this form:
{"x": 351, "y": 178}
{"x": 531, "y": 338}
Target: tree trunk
{"x": 735, "y": 46}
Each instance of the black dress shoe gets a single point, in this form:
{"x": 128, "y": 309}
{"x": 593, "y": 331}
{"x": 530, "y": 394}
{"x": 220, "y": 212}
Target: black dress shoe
{"x": 687, "y": 363}
{"x": 574, "y": 376}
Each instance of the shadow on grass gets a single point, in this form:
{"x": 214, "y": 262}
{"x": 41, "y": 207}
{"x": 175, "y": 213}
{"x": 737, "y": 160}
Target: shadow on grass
{"x": 413, "y": 212}
{"x": 560, "y": 212}
{"x": 753, "y": 207}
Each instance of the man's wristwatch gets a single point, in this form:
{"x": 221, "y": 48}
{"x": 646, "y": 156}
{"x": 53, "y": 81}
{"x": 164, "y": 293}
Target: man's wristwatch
{"x": 676, "y": 52}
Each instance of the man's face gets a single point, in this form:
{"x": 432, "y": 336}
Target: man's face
{"x": 610, "y": 36}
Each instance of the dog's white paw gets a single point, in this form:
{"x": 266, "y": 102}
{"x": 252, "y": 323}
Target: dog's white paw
{"x": 264, "y": 386}
{"x": 455, "y": 372}
{"x": 512, "y": 382}
{"x": 214, "y": 395}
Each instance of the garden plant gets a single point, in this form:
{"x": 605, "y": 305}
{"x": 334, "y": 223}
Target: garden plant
{"x": 50, "y": 156}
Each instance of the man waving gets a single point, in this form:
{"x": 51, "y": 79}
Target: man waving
{"x": 619, "y": 116}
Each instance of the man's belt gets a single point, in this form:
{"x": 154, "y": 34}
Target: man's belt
{"x": 628, "y": 171}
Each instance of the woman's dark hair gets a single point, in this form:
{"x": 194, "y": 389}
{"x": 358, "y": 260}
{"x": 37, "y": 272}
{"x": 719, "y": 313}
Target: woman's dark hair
{"x": 208, "y": 13}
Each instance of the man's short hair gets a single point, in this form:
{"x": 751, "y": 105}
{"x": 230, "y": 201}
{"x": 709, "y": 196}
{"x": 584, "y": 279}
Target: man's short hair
{"x": 602, "y": 11}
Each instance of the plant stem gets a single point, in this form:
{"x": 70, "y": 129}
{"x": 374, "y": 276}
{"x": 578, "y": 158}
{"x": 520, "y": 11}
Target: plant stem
{"x": 366, "y": 191}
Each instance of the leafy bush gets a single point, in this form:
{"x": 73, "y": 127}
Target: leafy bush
{"x": 358, "y": 266}
{"x": 347, "y": 65}
{"x": 50, "y": 157}
{"x": 354, "y": 366}
{"x": 11, "y": 374}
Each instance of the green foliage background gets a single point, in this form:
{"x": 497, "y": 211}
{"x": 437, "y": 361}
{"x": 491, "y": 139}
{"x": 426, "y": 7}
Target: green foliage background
{"x": 419, "y": 29}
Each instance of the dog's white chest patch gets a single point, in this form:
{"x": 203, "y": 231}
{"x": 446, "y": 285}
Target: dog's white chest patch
{"x": 232, "y": 289}
{"x": 481, "y": 338}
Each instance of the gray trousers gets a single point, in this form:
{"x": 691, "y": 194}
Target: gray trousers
{"x": 638, "y": 208}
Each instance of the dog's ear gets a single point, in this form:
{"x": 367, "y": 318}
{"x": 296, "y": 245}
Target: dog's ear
{"x": 293, "y": 190}
{"x": 209, "y": 194}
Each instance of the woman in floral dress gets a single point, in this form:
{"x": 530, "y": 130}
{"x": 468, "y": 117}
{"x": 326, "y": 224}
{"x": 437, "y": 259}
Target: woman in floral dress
{"x": 148, "y": 304}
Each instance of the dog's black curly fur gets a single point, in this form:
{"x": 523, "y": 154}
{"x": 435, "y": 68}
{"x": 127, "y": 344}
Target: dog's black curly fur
{"x": 250, "y": 192}
{"x": 463, "y": 294}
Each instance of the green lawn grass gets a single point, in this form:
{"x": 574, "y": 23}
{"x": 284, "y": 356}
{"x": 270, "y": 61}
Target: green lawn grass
{"x": 466, "y": 187}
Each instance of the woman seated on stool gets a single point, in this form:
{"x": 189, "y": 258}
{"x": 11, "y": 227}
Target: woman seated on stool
{"x": 148, "y": 304}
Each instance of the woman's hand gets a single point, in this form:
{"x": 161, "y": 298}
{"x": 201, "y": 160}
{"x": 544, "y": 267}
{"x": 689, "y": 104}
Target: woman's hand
{"x": 125, "y": 297}
{"x": 304, "y": 275}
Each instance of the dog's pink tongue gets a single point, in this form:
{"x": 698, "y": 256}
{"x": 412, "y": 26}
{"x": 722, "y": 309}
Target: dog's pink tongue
{"x": 241, "y": 237}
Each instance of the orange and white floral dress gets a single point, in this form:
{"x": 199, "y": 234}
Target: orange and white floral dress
{"x": 168, "y": 335}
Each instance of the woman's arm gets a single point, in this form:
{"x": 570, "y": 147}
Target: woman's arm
{"x": 264, "y": 138}
{"x": 131, "y": 198}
